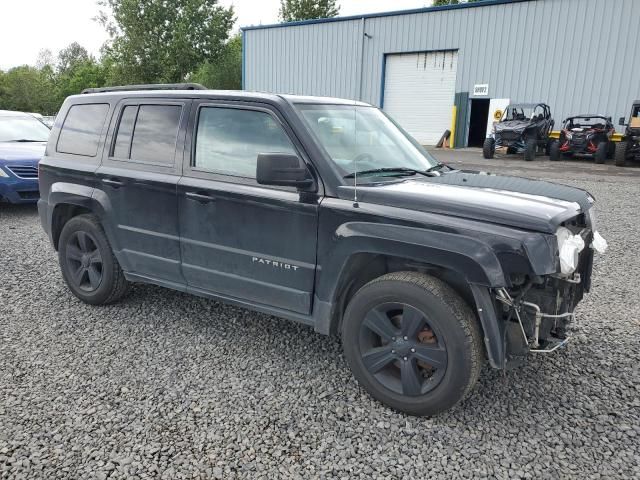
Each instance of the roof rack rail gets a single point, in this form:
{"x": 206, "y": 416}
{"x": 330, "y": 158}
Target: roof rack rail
{"x": 150, "y": 86}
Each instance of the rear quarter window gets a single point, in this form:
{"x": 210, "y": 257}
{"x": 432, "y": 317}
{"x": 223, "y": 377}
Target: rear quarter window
{"x": 80, "y": 132}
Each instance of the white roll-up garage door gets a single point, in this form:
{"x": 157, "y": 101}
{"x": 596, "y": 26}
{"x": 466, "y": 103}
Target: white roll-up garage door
{"x": 419, "y": 92}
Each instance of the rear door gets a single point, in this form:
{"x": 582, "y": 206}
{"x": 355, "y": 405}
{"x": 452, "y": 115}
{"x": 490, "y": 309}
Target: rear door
{"x": 138, "y": 179}
{"x": 240, "y": 239}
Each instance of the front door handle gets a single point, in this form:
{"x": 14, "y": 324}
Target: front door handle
{"x": 112, "y": 182}
{"x": 200, "y": 197}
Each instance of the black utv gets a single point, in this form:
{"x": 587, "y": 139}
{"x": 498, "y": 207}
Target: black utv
{"x": 523, "y": 128}
{"x": 629, "y": 147}
{"x": 585, "y": 136}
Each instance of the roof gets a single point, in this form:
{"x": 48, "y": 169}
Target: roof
{"x": 589, "y": 115}
{"x": 223, "y": 94}
{"x": 12, "y": 113}
{"x": 480, "y": 3}
{"x": 525, "y": 105}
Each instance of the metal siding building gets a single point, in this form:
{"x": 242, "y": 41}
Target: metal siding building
{"x": 579, "y": 56}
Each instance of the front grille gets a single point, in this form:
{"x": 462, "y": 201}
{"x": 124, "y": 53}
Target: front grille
{"x": 24, "y": 171}
{"x": 29, "y": 195}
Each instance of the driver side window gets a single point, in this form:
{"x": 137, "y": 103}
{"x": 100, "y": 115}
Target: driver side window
{"x": 228, "y": 140}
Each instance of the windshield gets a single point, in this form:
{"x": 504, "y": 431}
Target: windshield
{"x": 518, "y": 112}
{"x": 585, "y": 122}
{"x": 363, "y": 139}
{"x": 22, "y": 129}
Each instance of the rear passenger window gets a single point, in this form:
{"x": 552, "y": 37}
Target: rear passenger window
{"x": 81, "y": 129}
{"x": 229, "y": 140}
{"x": 147, "y": 133}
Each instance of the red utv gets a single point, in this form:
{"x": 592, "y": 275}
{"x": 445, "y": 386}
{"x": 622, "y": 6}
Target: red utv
{"x": 585, "y": 136}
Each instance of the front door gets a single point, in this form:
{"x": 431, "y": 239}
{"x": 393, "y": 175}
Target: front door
{"x": 240, "y": 239}
{"x": 138, "y": 177}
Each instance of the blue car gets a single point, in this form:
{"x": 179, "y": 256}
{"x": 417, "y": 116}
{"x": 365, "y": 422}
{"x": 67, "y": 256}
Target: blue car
{"x": 23, "y": 139}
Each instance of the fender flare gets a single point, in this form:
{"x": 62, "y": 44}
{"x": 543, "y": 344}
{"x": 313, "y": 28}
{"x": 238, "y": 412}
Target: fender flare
{"x": 82, "y": 196}
{"x": 470, "y": 257}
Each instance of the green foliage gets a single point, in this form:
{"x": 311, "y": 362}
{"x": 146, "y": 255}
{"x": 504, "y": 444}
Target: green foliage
{"x": 28, "y": 89}
{"x": 294, "y": 10}
{"x": 224, "y": 73}
{"x": 72, "y": 56}
{"x": 164, "y": 40}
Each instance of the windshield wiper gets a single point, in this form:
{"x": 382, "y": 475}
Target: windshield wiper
{"x": 436, "y": 167}
{"x": 399, "y": 172}
{"x": 25, "y": 140}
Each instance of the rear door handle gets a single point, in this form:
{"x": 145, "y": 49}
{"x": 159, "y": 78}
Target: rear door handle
{"x": 112, "y": 182}
{"x": 200, "y": 197}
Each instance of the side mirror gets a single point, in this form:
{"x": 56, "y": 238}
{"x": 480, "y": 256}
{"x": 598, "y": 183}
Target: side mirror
{"x": 282, "y": 169}
{"x": 622, "y": 122}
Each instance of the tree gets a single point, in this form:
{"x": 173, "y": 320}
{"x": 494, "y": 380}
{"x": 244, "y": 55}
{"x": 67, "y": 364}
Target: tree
{"x": 72, "y": 56}
{"x": 45, "y": 58}
{"x": 163, "y": 40}
{"x": 28, "y": 89}
{"x": 294, "y": 10}
{"x": 225, "y": 72}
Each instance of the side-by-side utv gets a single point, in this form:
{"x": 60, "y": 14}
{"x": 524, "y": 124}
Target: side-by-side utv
{"x": 523, "y": 128}
{"x": 629, "y": 147}
{"x": 585, "y": 136}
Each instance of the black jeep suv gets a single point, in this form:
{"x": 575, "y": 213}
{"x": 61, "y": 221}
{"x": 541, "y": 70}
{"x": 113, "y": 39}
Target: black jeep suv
{"x": 321, "y": 211}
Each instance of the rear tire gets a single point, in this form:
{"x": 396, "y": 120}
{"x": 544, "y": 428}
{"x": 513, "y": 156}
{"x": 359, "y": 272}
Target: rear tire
{"x": 621, "y": 154}
{"x": 530, "y": 149}
{"x": 554, "y": 151}
{"x": 412, "y": 343}
{"x": 601, "y": 153}
{"x": 488, "y": 148}
{"x": 88, "y": 264}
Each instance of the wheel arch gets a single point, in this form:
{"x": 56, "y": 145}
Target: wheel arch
{"x": 66, "y": 201}
{"x": 459, "y": 261}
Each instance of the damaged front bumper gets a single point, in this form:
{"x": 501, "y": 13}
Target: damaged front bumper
{"x": 536, "y": 312}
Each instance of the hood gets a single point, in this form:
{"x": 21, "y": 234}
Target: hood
{"x": 511, "y": 201}
{"x": 17, "y": 151}
{"x": 517, "y": 126}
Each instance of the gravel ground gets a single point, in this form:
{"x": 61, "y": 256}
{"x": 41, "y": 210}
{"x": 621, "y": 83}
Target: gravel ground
{"x": 166, "y": 385}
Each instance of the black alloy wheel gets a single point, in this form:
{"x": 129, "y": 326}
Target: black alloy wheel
{"x": 401, "y": 350}
{"x": 84, "y": 261}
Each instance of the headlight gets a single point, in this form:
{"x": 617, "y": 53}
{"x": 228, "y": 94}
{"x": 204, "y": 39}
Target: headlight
{"x": 3, "y": 173}
{"x": 569, "y": 248}
{"x": 568, "y": 135}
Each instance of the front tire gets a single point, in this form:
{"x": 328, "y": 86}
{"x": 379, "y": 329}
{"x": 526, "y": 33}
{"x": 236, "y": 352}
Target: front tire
{"x": 412, "y": 342}
{"x": 547, "y": 146}
{"x": 488, "y": 148}
{"x": 601, "y": 152}
{"x": 554, "y": 151}
{"x": 621, "y": 154}
{"x": 88, "y": 264}
{"x": 530, "y": 149}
